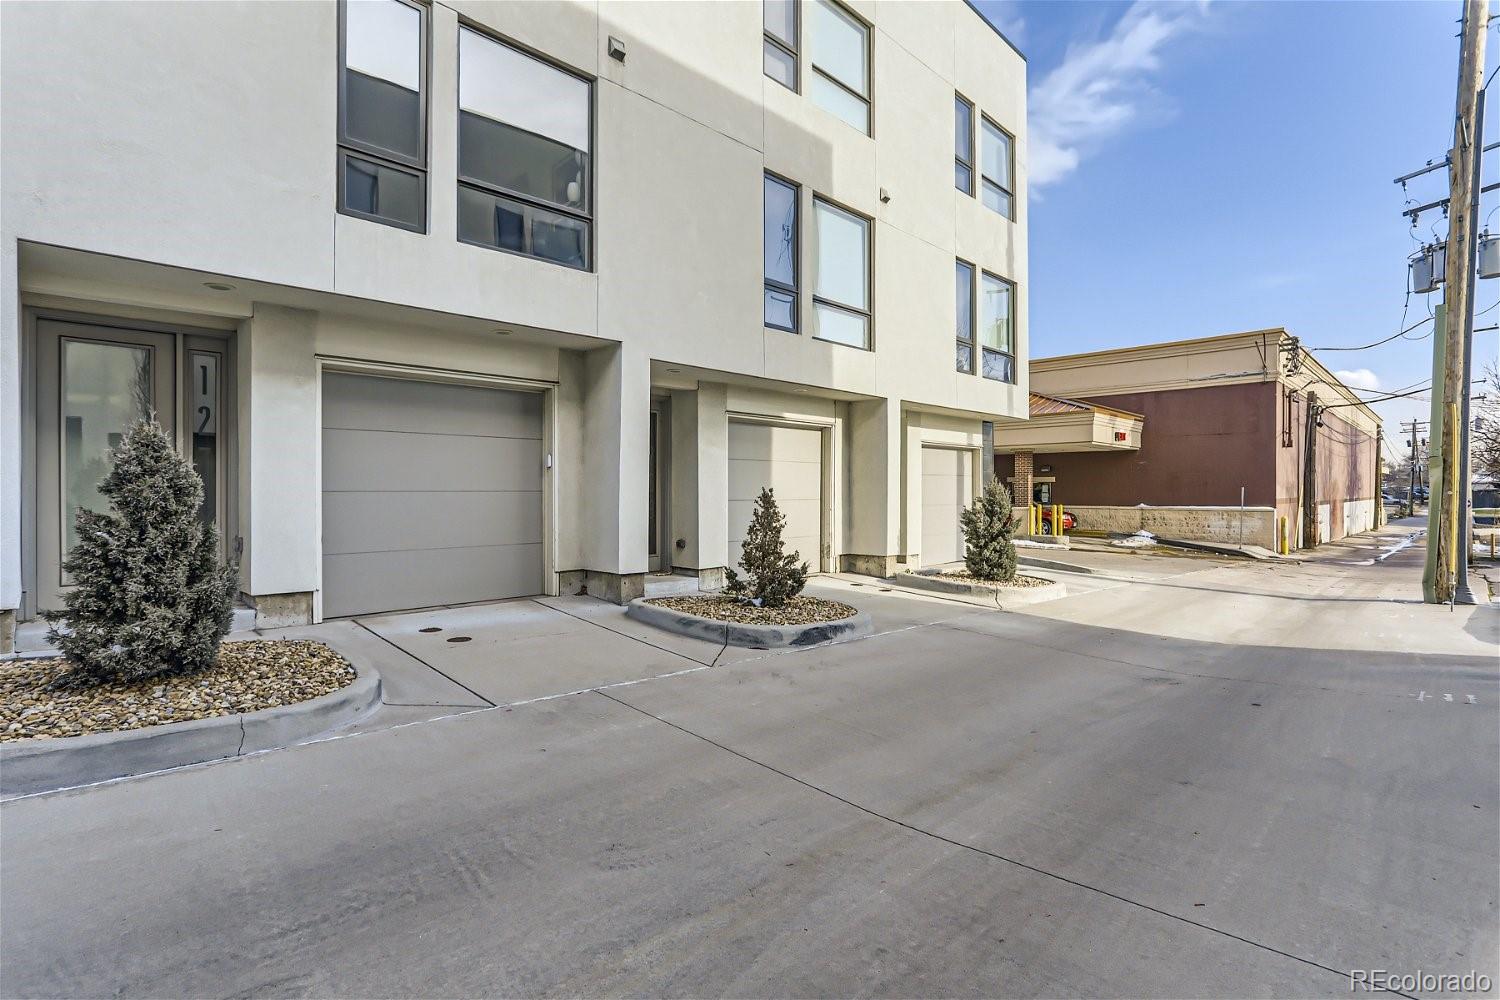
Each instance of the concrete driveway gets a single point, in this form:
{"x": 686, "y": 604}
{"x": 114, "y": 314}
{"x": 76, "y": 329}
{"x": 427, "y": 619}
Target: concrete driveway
{"x": 970, "y": 803}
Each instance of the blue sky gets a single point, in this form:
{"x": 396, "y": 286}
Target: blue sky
{"x": 1206, "y": 168}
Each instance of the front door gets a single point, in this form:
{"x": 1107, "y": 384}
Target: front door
{"x": 93, "y": 383}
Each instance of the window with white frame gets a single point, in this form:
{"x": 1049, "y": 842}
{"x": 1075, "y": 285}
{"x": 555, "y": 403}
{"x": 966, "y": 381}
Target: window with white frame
{"x": 963, "y": 304}
{"x": 963, "y": 145}
{"x": 997, "y": 328}
{"x": 524, "y": 136}
{"x": 997, "y": 163}
{"x": 382, "y": 139}
{"x": 839, "y": 44}
{"x": 841, "y": 284}
{"x": 781, "y": 42}
{"x": 779, "y": 247}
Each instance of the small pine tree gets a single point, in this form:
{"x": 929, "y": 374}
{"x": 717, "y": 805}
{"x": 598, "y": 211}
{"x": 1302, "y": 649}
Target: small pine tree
{"x": 772, "y": 576}
{"x": 989, "y": 554}
{"x": 151, "y": 595}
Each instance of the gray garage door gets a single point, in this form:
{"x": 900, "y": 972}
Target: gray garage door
{"x": 947, "y": 488}
{"x": 432, "y": 494}
{"x": 789, "y": 460}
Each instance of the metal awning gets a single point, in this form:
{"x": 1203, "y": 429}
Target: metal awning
{"x": 1057, "y": 425}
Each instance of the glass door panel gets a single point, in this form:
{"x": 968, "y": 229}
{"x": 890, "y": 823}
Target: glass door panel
{"x": 106, "y": 388}
{"x": 92, "y": 383}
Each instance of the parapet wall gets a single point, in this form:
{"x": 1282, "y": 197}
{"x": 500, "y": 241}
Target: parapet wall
{"x": 1194, "y": 524}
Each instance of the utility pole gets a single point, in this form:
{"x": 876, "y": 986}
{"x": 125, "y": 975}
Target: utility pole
{"x": 1310, "y": 532}
{"x": 1411, "y": 484}
{"x": 1457, "y": 297}
{"x": 1462, "y": 592}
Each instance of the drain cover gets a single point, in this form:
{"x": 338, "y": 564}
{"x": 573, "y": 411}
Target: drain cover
{"x": 430, "y": 628}
{"x": 460, "y": 638}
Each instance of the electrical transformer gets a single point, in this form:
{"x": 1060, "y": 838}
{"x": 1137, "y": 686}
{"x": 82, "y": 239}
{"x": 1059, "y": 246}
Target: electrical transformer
{"x": 1489, "y": 256}
{"x": 1428, "y": 267}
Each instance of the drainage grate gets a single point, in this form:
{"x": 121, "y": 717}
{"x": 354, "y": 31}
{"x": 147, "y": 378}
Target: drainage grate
{"x": 430, "y": 628}
{"x": 460, "y": 638}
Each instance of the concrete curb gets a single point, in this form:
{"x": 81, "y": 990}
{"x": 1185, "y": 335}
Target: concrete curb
{"x": 28, "y": 766}
{"x": 1052, "y": 564}
{"x": 754, "y": 636}
{"x": 1008, "y": 596}
{"x": 1231, "y": 551}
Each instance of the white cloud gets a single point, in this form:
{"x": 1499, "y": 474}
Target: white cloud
{"x": 1358, "y": 378}
{"x": 1100, "y": 87}
{"x": 1006, "y": 15}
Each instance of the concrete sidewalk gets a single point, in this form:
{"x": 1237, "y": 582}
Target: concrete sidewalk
{"x": 969, "y": 803}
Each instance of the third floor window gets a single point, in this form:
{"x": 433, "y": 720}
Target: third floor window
{"x": 383, "y": 112}
{"x": 840, "y": 47}
{"x": 963, "y": 145}
{"x": 781, "y": 42}
{"x": 997, "y": 162}
{"x": 524, "y": 136}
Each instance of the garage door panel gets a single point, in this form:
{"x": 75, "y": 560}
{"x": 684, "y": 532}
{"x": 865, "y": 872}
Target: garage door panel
{"x": 412, "y": 406}
{"x": 789, "y": 460}
{"x": 803, "y": 517}
{"x": 369, "y": 521}
{"x": 770, "y": 443}
{"x": 391, "y": 460}
{"x": 947, "y": 488}
{"x": 789, "y": 480}
{"x": 362, "y": 583}
{"x": 432, "y": 494}
{"x": 806, "y": 548}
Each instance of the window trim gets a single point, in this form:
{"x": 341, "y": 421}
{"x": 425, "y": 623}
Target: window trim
{"x": 390, "y": 158}
{"x": 973, "y": 339}
{"x": 984, "y": 178}
{"x": 958, "y": 159}
{"x": 869, "y": 60}
{"x": 794, "y": 50}
{"x": 1015, "y": 312}
{"x": 869, "y": 311}
{"x": 530, "y": 202}
{"x": 767, "y": 281}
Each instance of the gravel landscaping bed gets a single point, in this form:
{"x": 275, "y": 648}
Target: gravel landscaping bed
{"x": 1019, "y": 581}
{"x": 798, "y": 611}
{"x": 251, "y": 675}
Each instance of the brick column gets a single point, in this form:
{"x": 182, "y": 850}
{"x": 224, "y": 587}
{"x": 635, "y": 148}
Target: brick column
{"x": 1020, "y": 488}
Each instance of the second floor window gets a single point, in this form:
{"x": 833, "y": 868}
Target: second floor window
{"x": 779, "y": 235}
{"x": 841, "y": 286}
{"x": 781, "y": 42}
{"x": 524, "y": 136}
{"x": 840, "y": 47}
{"x": 997, "y": 329}
{"x": 996, "y": 161}
{"x": 963, "y": 300}
{"x": 382, "y": 158}
{"x": 963, "y": 145}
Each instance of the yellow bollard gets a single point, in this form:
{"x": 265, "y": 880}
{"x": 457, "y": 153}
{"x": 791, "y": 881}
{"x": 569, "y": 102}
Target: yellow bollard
{"x": 1057, "y": 526}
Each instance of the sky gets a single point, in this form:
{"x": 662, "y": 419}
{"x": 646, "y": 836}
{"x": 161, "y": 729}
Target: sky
{"x": 1205, "y": 168}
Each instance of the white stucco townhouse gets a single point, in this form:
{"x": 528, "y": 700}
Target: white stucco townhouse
{"x": 469, "y": 300}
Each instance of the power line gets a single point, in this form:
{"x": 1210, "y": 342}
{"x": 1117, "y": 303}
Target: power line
{"x": 1366, "y": 347}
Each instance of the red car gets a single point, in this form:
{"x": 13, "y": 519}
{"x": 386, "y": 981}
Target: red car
{"x": 1069, "y": 522}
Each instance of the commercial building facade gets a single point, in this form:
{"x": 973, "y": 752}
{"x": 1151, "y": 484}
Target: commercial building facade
{"x": 463, "y": 301}
{"x": 1166, "y": 436}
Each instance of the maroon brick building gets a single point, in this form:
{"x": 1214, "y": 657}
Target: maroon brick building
{"x": 1169, "y": 434}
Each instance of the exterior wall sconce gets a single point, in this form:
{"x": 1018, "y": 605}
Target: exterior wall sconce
{"x": 616, "y": 49}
